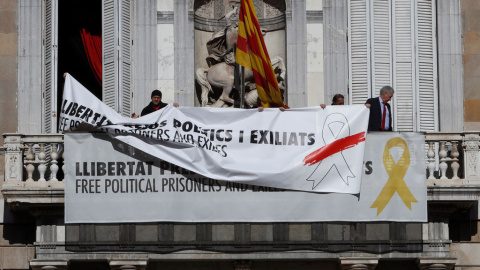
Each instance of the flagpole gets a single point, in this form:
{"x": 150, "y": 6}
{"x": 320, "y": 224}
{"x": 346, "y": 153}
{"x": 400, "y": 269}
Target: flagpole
{"x": 242, "y": 87}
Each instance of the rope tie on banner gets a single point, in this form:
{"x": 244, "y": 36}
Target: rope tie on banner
{"x": 396, "y": 173}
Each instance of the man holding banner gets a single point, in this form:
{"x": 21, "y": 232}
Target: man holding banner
{"x": 380, "y": 112}
{"x": 155, "y": 105}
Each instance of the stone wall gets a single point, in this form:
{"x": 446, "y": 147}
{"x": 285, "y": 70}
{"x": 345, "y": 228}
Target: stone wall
{"x": 471, "y": 61}
{"x": 8, "y": 68}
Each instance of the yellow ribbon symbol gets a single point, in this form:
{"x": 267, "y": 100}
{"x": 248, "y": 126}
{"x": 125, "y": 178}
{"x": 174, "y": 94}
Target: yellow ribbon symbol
{"x": 396, "y": 172}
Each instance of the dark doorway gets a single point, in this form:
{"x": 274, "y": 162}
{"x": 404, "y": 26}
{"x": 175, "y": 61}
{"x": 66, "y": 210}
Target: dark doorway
{"x": 75, "y": 17}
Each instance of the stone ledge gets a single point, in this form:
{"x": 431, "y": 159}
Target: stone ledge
{"x": 59, "y": 253}
{"x": 453, "y": 193}
{"x": 453, "y": 183}
{"x": 27, "y": 195}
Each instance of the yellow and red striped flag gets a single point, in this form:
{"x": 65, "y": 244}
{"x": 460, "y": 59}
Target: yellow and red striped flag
{"x": 252, "y": 54}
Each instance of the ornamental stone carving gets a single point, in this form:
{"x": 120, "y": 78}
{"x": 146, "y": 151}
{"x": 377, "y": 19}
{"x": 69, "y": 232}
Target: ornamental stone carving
{"x": 12, "y": 167}
{"x": 217, "y": 76}
{"x": 13, "y": 157}
{"x": 204, "y": 8}
{"x": 13, "y": 142}
{"x": 471, "y": 144}
{"x": 209, "y": 14}
{"x": 472, "y": 163}
{"x": 274, "y": 8}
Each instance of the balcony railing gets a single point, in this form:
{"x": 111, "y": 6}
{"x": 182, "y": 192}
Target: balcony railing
{"x": 33, "y": 159}
{"x": 450, "y": 157}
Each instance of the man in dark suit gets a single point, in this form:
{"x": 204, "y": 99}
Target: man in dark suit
{"x": 380, "y": 112}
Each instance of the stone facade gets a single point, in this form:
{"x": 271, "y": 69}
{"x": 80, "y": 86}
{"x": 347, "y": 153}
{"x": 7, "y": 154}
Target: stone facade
{"x": 34, "y": 236}
{"x": 470, "y": 10}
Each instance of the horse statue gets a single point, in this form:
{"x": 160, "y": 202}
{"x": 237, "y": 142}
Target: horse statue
{"x": 217, "y": 81}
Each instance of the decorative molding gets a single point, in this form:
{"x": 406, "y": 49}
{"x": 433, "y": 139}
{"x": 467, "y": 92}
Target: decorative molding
{"x": 165, "y": 17}
{"x": 314, "y": 16}
{"x": 24, "y": 196}
{"x": 212, "y": 25}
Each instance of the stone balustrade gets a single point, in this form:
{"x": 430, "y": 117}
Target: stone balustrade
{"x": 36, "y": 158}
{"x": 33, "y": 158}
{"x": 452, "y": 157}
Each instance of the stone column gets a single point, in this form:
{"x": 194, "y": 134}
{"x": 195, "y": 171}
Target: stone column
{"x": 450, "y": 65}
{"x": 184, "y": 54}
{"x": 13, "y": 158}
{"x": 296, "y": 53}
{"x": 335, "y": 48}
{"x": 436, "y": 263}
{"x": 438, "y": 218}
{"x": 49, "y": 264}
{"x": 358, "y": 263}
{"x": 30, "y": 40}
{"x": 144, "y": 48}
{"x": 242, "y": 265}
{"x": 128, "y": 264}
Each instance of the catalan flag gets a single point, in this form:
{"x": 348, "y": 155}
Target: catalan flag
{"x": 252, "y": 54}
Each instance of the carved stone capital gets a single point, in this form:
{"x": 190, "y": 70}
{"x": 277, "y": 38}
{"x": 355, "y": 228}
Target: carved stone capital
{"x": 128, "y": 264}
{"x": 49, "y": 264}
{"x": 472, "y": 136}
{"x": 13, "y": 142}
{"x": 436, "y": 263}
{"x": 358, "y": 263}
{"x": 471, "y": 145}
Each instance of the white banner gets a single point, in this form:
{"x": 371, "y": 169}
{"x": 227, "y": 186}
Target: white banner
{"x": 308, "y": 149}
{"x": 108, "y": 181}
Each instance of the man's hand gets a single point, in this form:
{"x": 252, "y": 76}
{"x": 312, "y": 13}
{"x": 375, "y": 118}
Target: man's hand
{"x": 323, "y": 106}
{"x": 176, "y": 105}
{"x": 282, "y": 109}
{"x": 368, "y": 105}
{"x": 260, "y": 109}
{"x": 134, "y": 115}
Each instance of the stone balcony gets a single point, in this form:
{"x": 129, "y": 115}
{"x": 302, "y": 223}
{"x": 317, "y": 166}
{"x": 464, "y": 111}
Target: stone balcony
{"x": 34, "y": 183}
{"x": 34, "y": 167}
{"x": 31, "y": 169}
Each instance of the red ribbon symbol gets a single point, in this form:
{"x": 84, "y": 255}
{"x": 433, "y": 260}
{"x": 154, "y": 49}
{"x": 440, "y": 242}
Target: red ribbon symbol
{"x": 327, "y": 156}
